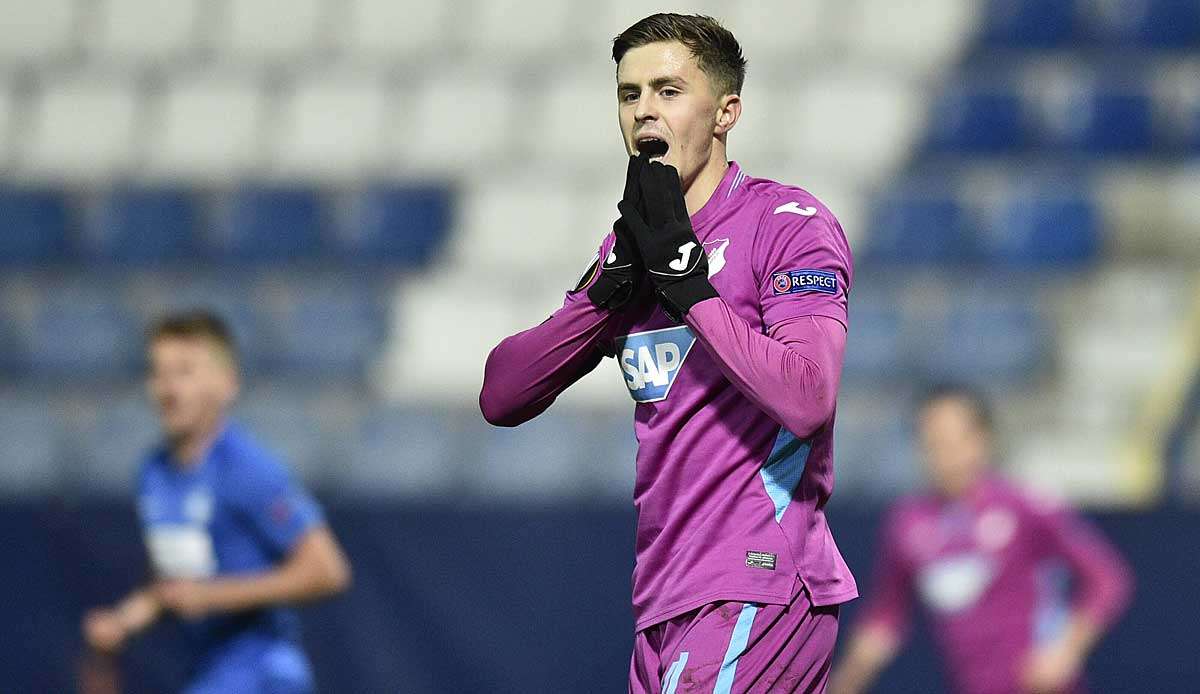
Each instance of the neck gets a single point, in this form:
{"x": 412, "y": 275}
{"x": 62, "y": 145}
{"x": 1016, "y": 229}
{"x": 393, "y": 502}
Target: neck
{"x": 706, "y": 181}
{"x": 189, "y": 449}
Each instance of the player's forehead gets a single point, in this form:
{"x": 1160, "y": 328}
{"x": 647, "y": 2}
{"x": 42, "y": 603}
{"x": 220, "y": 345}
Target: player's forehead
{"x": 186, "y": 347}
{"x": 658, "y": 61}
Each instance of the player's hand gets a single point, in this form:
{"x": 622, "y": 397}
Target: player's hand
{"x": 621, "y": 271}
{"x": 674, "y": 258}
{"x": 1051, "y": 669}
{"x": 188, "y": 599}
{"x": 104, "y": 630}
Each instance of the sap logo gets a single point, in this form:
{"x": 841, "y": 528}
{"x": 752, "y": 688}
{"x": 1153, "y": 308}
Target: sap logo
{"x": 650, "y": 361}
{"x": 798, "y": 281}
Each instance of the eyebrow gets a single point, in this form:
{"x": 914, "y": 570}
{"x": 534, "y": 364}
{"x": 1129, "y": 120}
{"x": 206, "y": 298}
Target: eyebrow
{"x": 655, "y": 83}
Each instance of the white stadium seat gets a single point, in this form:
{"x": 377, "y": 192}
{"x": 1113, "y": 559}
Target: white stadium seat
{"x": 454, "y": 123}
{"x": 7, "y": 135}
{"x": 576, "y": 122}
{"x": 270, "y": 30}
{"x": 144, "y": 30}
{"x": 36, "y": 32}
{"x": 920, "y": 35}
{"x": 510, "y": 30}
{"x": 380, "y": 30}
{"x": 852, "y": 123}
{"x": 330, "y": 126}
{"x": 526, "y": 223}
{"x": 782, "y": 30}
{"x": 83, "y": 127}
{"x": 210, "y": 127}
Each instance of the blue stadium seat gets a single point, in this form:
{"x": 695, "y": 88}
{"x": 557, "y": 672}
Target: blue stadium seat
{"x": 1161, "y": 24}
{"x": 83, "y": 334}
{"x": 918, "y": 227}
{"x": 33, "y": 226}
{"x": 1104, "y": 120}
{"x": 33, "y": 445}
{"x": 403, "y": 225}
{"x": 144, "y": 225}
{"x": 1189, "y": 135}
{"x": 405, "y": 451}
{"x": 978, "y": 119}
{"x": 332, "y": 330}
{"x": 877, "y": 350}
{"x": 1028, "y": 23}
{"x": 1002, "y": 345}
{"x": 1044, "y": 227}
{"x": 271, "y": 224}
{"x": 13, "y": 353}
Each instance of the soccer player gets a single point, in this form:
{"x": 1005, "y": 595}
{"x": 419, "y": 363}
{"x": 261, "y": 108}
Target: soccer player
{"x": 232, "y": 539}
{"x": 723, "y": 299}
{"x": 989, "y": 563}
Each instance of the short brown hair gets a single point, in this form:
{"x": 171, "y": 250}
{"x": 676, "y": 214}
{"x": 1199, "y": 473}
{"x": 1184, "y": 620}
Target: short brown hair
{"x": 714, "y": 47}
{"x": 194, "y": 324}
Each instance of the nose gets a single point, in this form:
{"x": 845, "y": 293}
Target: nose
{"x": 645, "y": 109}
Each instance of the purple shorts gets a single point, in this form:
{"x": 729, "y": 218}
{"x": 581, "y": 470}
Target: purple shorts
{"x": 739, "y": 647}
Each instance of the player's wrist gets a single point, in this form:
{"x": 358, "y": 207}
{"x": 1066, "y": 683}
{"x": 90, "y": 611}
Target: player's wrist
{"x": 678, "y": 297}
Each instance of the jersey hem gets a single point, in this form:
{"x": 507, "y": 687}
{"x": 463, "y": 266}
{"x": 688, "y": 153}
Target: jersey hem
{"x": 677, "y": 609}
{"x": 835, "y": 599}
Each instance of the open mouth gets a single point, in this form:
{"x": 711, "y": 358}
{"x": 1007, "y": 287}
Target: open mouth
{"x": 652, "y": 147}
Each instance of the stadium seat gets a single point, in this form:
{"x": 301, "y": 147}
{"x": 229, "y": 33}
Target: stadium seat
{"x": 329, "y": 331}
{"x": 210, "y": 129}
{"x": 113, "y": 442}
{"x": 577, "y": 122}
{"x": 852, "y": 122}
{"x": 405, "y": 452}
{"x": 1044, "y": 226}
{"x": 877, "y": 351}
{"x": 1028, "y": 23}
{"x": 916, "y": 226}
{"x": 330, "y": 127}
{"x": 269, "y": 224}
{"x": 445, "y": 111}
{"x": 777, "y": 39}
{"x": 34, "y": 226}
{"x": 985, "y": 342}
{"x": 231, "y": 295}
{"x": 13, "y": 354}
{"x": 494, "y": 212}
{"x": 270, "y": 31}
{"x": 385, "y": 30}
{"x": 1153, "y": 24}
{"x": 396, "y": 224}
{"x": 919, "y": 36}
{"x": 37, "y": 32}
{"x": 84, "y": 128}
{"x": 144, "y": 31}
{"x": 9, "y": 105}
{"x": 82, "y": 333}
{"x": 1099, "y": 118}
{"x": 975, "y": 118}
{"x": 33, "y": 446}
{"x": 282, "y": 418}
{"x": 488, "y": 32}
{"x": 143, "y": 225}
{"x": 540, "y": 460}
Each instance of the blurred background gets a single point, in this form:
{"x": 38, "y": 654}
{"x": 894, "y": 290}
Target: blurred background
{"x": 357, "y": 186}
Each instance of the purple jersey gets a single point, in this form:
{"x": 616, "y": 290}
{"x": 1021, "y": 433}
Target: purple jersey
{"x": 730, "y": 503}
{"x": 991, "y": 571}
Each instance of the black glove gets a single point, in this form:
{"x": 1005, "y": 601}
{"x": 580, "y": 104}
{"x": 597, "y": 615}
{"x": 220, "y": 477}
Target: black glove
{"x": 663, "y": 235}
{"x": 621, "y": 271}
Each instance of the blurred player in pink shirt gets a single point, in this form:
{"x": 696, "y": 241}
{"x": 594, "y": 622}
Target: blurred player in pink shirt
{"x": 990, "y": 564}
